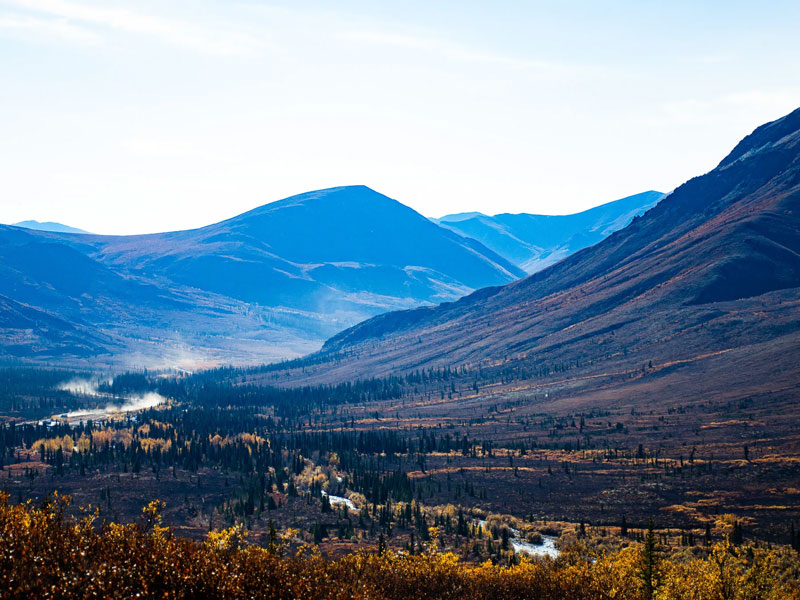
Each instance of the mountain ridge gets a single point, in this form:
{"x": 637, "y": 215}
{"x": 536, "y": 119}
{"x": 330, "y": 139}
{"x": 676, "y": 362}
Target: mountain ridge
{"x": 49, "y": 226}
{"x": 287, "y": 274}
{"x": 533, "y": 241}
{"x": 717, "y": 260}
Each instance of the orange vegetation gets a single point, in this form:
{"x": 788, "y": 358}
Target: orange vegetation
{"x": 44, "y": 554}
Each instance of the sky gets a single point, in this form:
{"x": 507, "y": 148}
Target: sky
{"x": 154, "y": 115}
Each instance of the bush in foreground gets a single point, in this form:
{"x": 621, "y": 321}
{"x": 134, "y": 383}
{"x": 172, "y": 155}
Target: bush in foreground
{"x": 45, "y": 554}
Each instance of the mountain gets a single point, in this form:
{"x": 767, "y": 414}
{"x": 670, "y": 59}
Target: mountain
{"x": 534, "y": 242}
{"x": 49, "y": 226}
{"x": 701, "y": 293}
{"x": 272, "y": 282}
{"x": 370, "y": 249}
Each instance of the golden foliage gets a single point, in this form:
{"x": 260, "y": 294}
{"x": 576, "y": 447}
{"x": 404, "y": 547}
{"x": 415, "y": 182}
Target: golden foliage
{"x": 227, "y": 540}
{"x": 45, "y": 554}
{"x": 149, "y": 444}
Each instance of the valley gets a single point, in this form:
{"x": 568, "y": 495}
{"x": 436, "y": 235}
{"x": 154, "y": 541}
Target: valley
{"x": 641, "y": 392}
{"x": 533, "y": 454}
{"x": 399, "y": 301}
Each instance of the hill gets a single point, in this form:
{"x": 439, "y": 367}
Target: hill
{"x": 347, "y": 247}
{"x": 534, "y": 242}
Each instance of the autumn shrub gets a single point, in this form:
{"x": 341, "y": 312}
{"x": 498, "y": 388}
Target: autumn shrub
{"x": 45, "y": 554}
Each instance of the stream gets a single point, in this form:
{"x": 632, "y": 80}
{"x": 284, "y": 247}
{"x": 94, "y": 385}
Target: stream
{"x": 519, "y": 544}
{"x": 336, "y": 500}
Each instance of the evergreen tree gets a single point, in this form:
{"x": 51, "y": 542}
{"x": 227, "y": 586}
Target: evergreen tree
{"x": 381, "y": 544}
{"x": 649, "y": 571}
{"x": 326, "y": 504}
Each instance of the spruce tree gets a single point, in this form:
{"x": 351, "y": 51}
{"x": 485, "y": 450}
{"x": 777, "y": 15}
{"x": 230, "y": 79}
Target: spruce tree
{"x": 649, "y": 565}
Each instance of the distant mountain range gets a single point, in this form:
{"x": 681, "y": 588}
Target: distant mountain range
{"x": 271, "y": 282}
{"x": 49, "y": 226}
{"x": 700, "y": 295}
{"x": 533, "y": 242}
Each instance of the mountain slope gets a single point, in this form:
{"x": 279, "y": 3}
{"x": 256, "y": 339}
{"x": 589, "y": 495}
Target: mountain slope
{"x": 350, "y": 239}
{"x": 272, "y": 282}
{"x": 534, "y": 242}
{"x": 58, "y": 303}
{"x": 713, "y": 268}
{"x": 49, "y": 226}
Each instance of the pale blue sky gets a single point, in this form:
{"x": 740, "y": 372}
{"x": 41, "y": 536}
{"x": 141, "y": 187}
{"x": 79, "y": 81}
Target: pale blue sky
{"x": 153, "y": 115}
